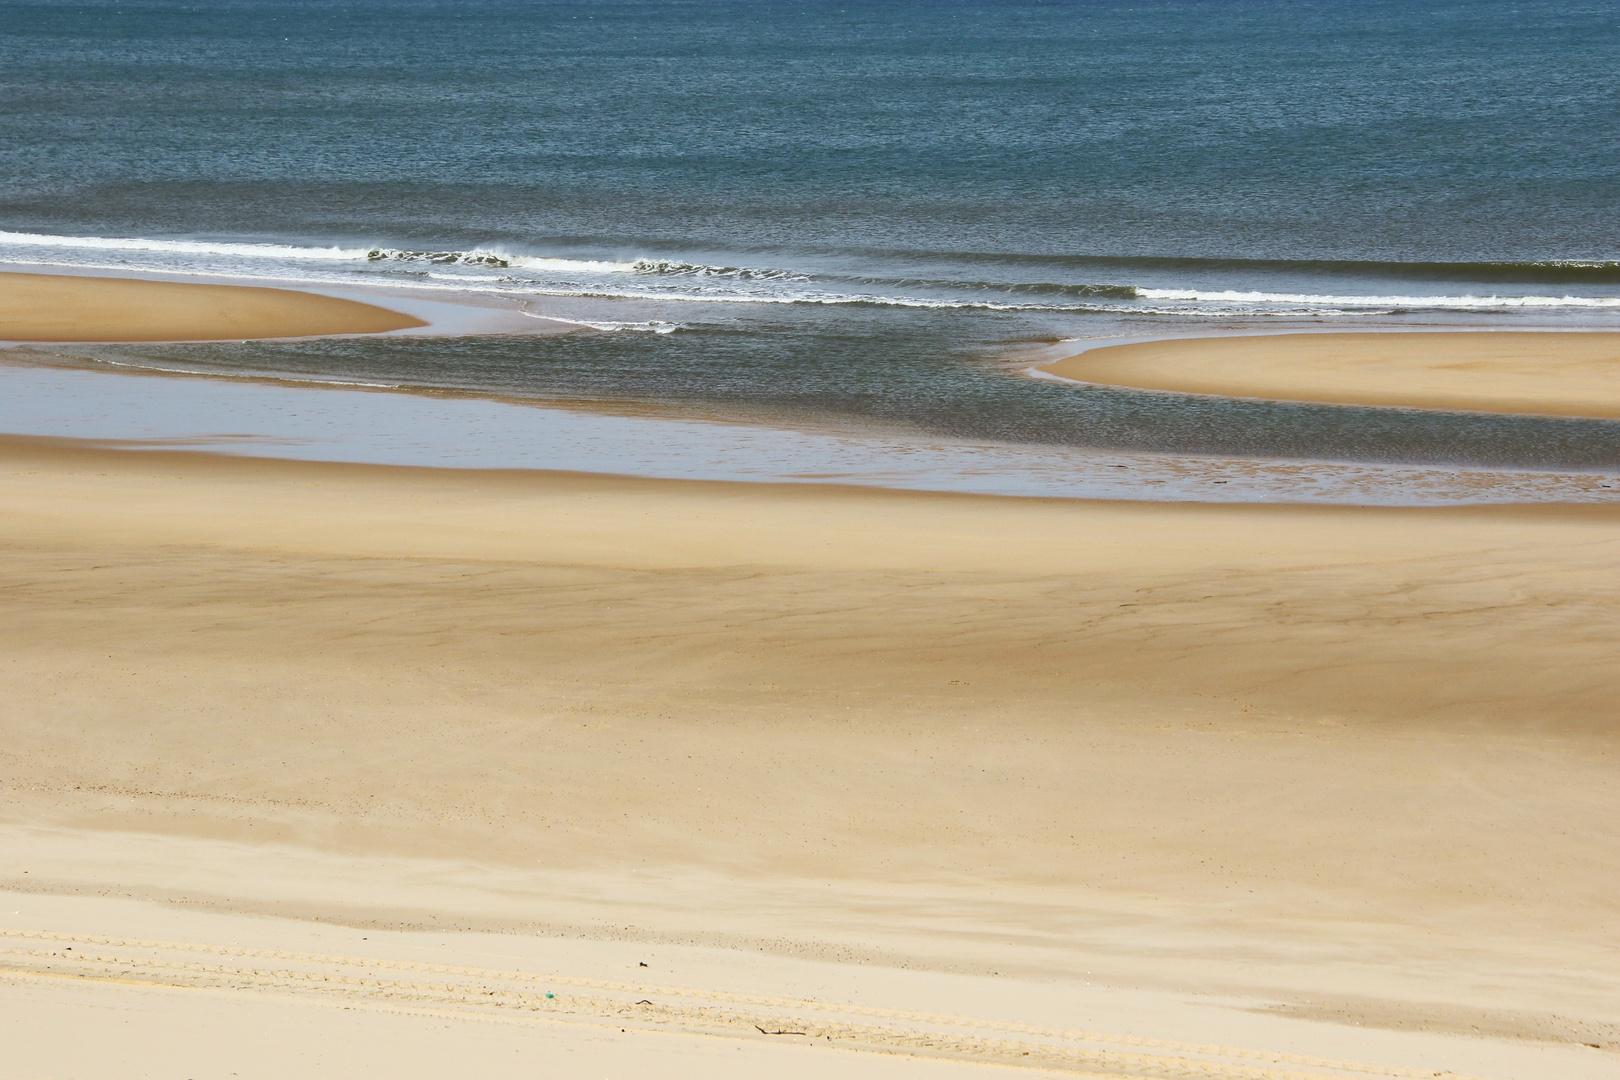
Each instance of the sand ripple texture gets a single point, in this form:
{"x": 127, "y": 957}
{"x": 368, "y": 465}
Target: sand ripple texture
{"x": 525, "y": 997}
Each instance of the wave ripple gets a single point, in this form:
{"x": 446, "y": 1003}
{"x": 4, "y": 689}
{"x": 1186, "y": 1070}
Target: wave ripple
{"x": 1166, "y": 288}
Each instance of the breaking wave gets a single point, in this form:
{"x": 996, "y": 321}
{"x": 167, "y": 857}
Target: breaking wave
{"x": 184, "y": 247}
{"x": 1314, "y": 300}
{"x": 477, "y": 257}
{"x": 1012, "y": 286}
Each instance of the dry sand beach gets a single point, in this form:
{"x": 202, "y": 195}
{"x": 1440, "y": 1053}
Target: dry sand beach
{"x": 1558, "y": 374}
{"x": 53, "y": 307}
{"x": 385, "y": 771}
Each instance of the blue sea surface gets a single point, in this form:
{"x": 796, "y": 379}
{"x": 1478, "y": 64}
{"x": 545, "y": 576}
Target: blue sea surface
{"x": 848, "y": 212}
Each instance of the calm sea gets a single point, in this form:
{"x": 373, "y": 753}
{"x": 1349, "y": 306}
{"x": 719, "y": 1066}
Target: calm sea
{"x": 848, "y": 213}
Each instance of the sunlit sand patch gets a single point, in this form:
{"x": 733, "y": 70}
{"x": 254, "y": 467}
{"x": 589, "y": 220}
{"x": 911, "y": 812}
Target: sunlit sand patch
{"x": 1556, "y": 374}
{"x": 58, "y": 307}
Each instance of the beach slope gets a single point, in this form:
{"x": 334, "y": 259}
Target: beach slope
{"x": 1329, "y": 782}
{"x": 1556, "y": 374}
{"x": 60, "y": 307}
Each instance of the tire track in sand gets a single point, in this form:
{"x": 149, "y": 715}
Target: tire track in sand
{"x": 536, "y": 997}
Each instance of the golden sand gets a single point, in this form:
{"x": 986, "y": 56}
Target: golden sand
{"x": 54, "y": 307}
{"x": 1127, "y": 768}
{"x": 1560, "y": 374}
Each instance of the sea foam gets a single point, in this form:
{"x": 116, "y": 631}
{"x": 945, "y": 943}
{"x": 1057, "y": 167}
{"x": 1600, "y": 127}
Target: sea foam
{"x": 500, "y": 269}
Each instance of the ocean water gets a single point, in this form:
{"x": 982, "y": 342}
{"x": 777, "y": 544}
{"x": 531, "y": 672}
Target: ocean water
{"x": 846, "y": 215}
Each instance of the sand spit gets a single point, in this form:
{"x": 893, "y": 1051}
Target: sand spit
{"x": 1558, "y": 374}
{"x": 58, "y": 307}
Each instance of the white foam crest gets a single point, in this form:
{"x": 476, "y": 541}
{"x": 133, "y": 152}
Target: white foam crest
{"x": 1318, "y": 300}
{"x": 475, "y": 257}
{"x": 478, "y": 256}
{"x": 650, "y": 267}
{"x": 522, "y": 288}
{"x": 653, "y": 326}
{"x": 571, "y": 266}
{"x": 515, "y": 288}
{"x": 185, "y": 247}
{"x": 696, "y": 283}
{"x": 508, "y": 286}
{"x": 673, "y": 280}
{"x": 677, "y": 268}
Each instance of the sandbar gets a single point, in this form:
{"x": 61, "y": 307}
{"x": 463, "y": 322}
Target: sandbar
{"x": 1335, "y": 783}
{"x": 59, "y": 307}
{"x": 1551, "y": 373}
